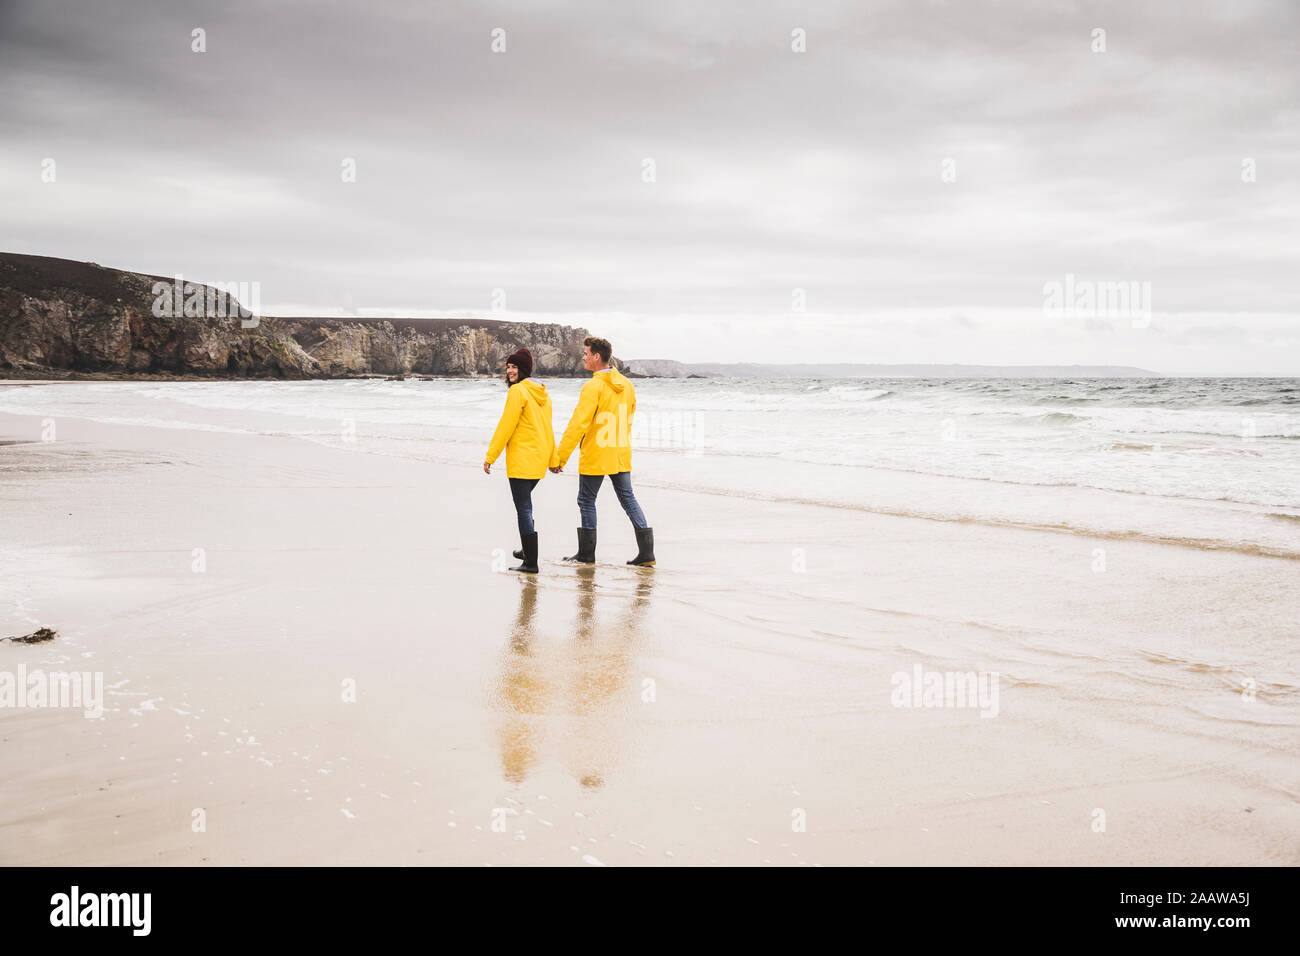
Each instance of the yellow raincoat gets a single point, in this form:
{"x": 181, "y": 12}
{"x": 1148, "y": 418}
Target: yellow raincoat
{"x": 525, "y": 431}
{"x": 602, "y": 422}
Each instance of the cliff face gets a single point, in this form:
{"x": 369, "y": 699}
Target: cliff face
{"x": 433, "y": 346}
{"x": 57, "y": 315}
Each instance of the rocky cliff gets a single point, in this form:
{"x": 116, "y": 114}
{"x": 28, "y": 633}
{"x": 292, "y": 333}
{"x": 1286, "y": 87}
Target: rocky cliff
{"x": 60, "y": 316}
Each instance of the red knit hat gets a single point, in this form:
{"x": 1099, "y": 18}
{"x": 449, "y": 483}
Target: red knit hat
{"x": 521, "y": 359}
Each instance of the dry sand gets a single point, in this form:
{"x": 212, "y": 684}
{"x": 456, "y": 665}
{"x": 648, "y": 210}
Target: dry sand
{"x": 695, "y": 713}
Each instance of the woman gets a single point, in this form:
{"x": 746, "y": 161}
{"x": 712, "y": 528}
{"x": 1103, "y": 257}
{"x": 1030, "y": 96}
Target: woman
{"x": 526, "y": 435}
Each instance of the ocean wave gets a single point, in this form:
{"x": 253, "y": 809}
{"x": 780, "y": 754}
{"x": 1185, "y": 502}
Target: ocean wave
{"x": 1179, "y": 440}
{"x": 860, "y": 391}
{"x": 1024, "y": 524}
{"x": 1058, "y": 418}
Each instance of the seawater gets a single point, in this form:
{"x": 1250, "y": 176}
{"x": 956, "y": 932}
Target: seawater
{"x": 1211, "y": 463}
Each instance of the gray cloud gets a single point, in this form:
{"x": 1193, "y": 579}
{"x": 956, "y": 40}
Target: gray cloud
{"x": 775, "y": 170}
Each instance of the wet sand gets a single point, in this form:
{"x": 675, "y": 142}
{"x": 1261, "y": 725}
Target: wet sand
{"x": 352, "y": 679}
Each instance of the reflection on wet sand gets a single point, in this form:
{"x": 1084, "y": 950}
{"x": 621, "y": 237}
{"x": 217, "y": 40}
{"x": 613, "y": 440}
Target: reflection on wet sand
{"x": 578, "y": 681}
{"x": 522, "y": 690}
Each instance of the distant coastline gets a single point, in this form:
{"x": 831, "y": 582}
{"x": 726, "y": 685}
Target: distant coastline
{"x": 79, "y": 321}
{"x": 65, "y": 319}
{"x": 668, "y": 368}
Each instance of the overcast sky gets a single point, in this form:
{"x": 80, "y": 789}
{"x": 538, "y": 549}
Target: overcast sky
{"x": 774, "y": 170}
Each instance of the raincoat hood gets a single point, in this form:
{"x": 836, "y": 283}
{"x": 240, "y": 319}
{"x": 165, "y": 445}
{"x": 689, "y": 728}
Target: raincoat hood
{"x": 613, "y": 378}
{"x": 535, "y": 391}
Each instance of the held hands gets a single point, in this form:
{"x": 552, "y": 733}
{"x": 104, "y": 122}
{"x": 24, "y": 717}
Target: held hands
{"x": 487, "y": 469}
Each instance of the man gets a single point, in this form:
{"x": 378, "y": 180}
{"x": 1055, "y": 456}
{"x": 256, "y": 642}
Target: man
{"x": 602, "y": 424}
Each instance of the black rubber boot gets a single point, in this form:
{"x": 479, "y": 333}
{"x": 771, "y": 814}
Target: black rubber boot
{"x": 529, "y": 556}
{"x": 586, "y": 547}
{"x": 645, "y": 547}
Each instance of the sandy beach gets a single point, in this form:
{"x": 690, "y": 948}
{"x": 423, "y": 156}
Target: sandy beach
{"x": 343, "y": 674}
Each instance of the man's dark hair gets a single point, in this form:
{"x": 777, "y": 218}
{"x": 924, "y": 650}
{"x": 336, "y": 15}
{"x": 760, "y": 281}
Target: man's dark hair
{"x": 600, "y": 346}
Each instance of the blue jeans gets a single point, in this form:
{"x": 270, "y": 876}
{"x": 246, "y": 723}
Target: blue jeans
{"x": 521, "y": 489}
{"x": 588, "y": 485}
